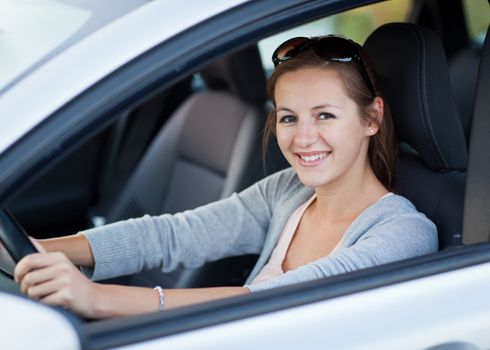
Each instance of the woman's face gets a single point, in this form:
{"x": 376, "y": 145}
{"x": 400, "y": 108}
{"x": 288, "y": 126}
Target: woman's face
{"x": 319, "y": 129}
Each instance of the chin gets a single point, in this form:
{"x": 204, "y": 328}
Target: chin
{"x": 313, "y": 181}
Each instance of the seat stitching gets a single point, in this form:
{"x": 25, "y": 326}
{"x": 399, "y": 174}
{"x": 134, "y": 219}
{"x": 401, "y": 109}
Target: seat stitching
{"x": 423, "y": 103}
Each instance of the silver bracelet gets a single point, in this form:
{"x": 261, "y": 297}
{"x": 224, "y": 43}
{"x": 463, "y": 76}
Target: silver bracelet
{"x": 160, "y": 295}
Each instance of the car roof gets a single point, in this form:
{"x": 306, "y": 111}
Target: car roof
{"x": 33, "y": 32}
{"x": 100, "y": 50}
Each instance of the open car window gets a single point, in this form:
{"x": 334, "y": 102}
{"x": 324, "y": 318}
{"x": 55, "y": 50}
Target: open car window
{"x": 476, "y": 19}
{"x": 355, "y": 24}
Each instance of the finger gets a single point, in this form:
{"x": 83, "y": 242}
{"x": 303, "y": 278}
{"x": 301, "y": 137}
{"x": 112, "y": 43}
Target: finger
{"x": 38, "y": 276}
{"x": 62, "y": 297}
{"x": 45, "y": 289}
{"x": 36, "y": 261}
{"x": 23, "y": 267}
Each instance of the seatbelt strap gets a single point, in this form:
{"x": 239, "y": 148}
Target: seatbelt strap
{"x": 476, "y": 217}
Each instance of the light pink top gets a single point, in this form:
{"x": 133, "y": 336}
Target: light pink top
{"x": 274, "y": 267}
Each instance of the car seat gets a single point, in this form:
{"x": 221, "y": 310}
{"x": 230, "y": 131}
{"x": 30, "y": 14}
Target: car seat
{"x": 202, "y": 154}
{"x": 414, "y": 78}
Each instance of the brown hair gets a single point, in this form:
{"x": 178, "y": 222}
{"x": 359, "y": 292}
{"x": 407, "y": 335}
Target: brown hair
{"x": 382, "y": 145}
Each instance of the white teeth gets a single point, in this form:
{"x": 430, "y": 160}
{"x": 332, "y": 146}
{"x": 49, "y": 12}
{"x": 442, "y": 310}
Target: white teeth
{"x": 314, "y": 157}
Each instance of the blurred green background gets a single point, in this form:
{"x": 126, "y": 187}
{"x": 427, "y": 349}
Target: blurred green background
{"x": 357, "y": 24}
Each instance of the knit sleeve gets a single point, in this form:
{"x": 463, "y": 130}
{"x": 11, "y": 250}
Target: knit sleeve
{"x": 229, "y": 227}
{"x": 402, "y": 237}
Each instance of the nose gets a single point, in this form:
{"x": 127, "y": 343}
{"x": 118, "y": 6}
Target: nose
{"x": 306, "y": 134}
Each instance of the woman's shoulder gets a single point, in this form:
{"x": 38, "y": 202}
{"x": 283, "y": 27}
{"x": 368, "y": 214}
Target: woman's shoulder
{"x": 395, "y": 218}
{"x": 393, "y": 204}
{"x": 281, "y": 181}
{"x": 396, "y": 210}
{"x": 278, "y": 189}
{"x": 400, "y": 214}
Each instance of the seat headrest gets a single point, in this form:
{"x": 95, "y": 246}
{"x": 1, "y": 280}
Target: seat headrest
{"x": 240, "y": 73}
{"x": 413, "y": 72}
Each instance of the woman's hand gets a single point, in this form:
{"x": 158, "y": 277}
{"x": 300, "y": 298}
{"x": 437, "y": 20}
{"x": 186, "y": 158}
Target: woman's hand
{"x": 52, "y": 279}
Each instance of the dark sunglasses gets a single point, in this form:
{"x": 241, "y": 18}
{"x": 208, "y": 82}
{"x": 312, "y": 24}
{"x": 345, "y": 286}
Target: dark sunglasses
{"x": 330, "y": 48}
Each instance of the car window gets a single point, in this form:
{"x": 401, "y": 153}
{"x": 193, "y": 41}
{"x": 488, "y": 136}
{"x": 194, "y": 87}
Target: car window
{"x": 355, "y": 24}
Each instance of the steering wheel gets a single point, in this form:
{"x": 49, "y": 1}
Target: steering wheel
{"x": 14, "y": 238}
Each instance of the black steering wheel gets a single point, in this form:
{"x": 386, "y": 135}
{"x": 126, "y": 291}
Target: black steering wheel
{"x": 14, "y": 238}
{"x": 16, "y": 242}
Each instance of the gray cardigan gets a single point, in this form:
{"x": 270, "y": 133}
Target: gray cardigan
{"x": 251, "y": 222}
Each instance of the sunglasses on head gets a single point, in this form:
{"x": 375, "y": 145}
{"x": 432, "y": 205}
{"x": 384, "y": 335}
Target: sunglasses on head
{"x": 330, "y": 48}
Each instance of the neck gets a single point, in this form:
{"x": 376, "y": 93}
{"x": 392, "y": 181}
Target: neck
{"x": 347, "y": 199}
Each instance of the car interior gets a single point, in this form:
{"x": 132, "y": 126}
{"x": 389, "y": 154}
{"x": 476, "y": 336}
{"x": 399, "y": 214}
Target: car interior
{"x": 201, "y": 140}
{"x": 433, "y": 149}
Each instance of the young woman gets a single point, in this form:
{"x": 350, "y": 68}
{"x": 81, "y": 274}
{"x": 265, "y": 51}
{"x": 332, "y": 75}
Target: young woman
{"x": 330, "y": 213}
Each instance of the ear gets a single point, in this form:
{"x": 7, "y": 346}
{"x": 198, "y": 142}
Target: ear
{"x": 376, "y": 110}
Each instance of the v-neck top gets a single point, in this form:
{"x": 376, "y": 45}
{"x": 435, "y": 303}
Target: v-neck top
{"x": 251, "y": 222}
{"x": 274, "y": 267}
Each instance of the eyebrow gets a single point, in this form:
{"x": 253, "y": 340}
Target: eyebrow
{"x": 325, "y": 105}
{"x": 283, "y": 109}
{"x": 314, "y": 108}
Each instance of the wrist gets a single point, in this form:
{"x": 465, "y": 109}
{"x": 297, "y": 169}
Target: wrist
{"x": 99, "y": 304}
{"x": 115, "y": 301}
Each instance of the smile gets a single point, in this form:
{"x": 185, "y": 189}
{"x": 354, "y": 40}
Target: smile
{"x": 312, "y": 159}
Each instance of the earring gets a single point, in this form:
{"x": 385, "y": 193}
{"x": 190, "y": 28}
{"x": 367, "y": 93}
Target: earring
{"x": 371, "y": 131}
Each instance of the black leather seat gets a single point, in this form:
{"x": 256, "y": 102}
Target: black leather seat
{"x": 432, "y": 158}
{"x": 203, "y": 153}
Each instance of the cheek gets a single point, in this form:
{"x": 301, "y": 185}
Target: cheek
{"x": 347, "y": 138}
{"x": 283, "y": 138}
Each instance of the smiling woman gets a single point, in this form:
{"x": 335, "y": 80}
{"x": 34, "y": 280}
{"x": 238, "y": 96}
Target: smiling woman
{"x": 331, "y": 213}
{"x": 352, "y": 87}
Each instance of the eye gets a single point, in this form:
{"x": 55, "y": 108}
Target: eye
{"x": 287, "y": 119}
{"x": 325, "y": 116}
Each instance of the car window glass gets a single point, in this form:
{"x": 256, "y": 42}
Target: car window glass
{"x": 477, "y": 13}
{"x": 355, "y": 24}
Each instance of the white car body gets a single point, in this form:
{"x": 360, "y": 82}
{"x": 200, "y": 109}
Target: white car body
{"x": 379, "y": 322}
{"x": 429, "y": 304}
{"x": 33, "y": 325}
